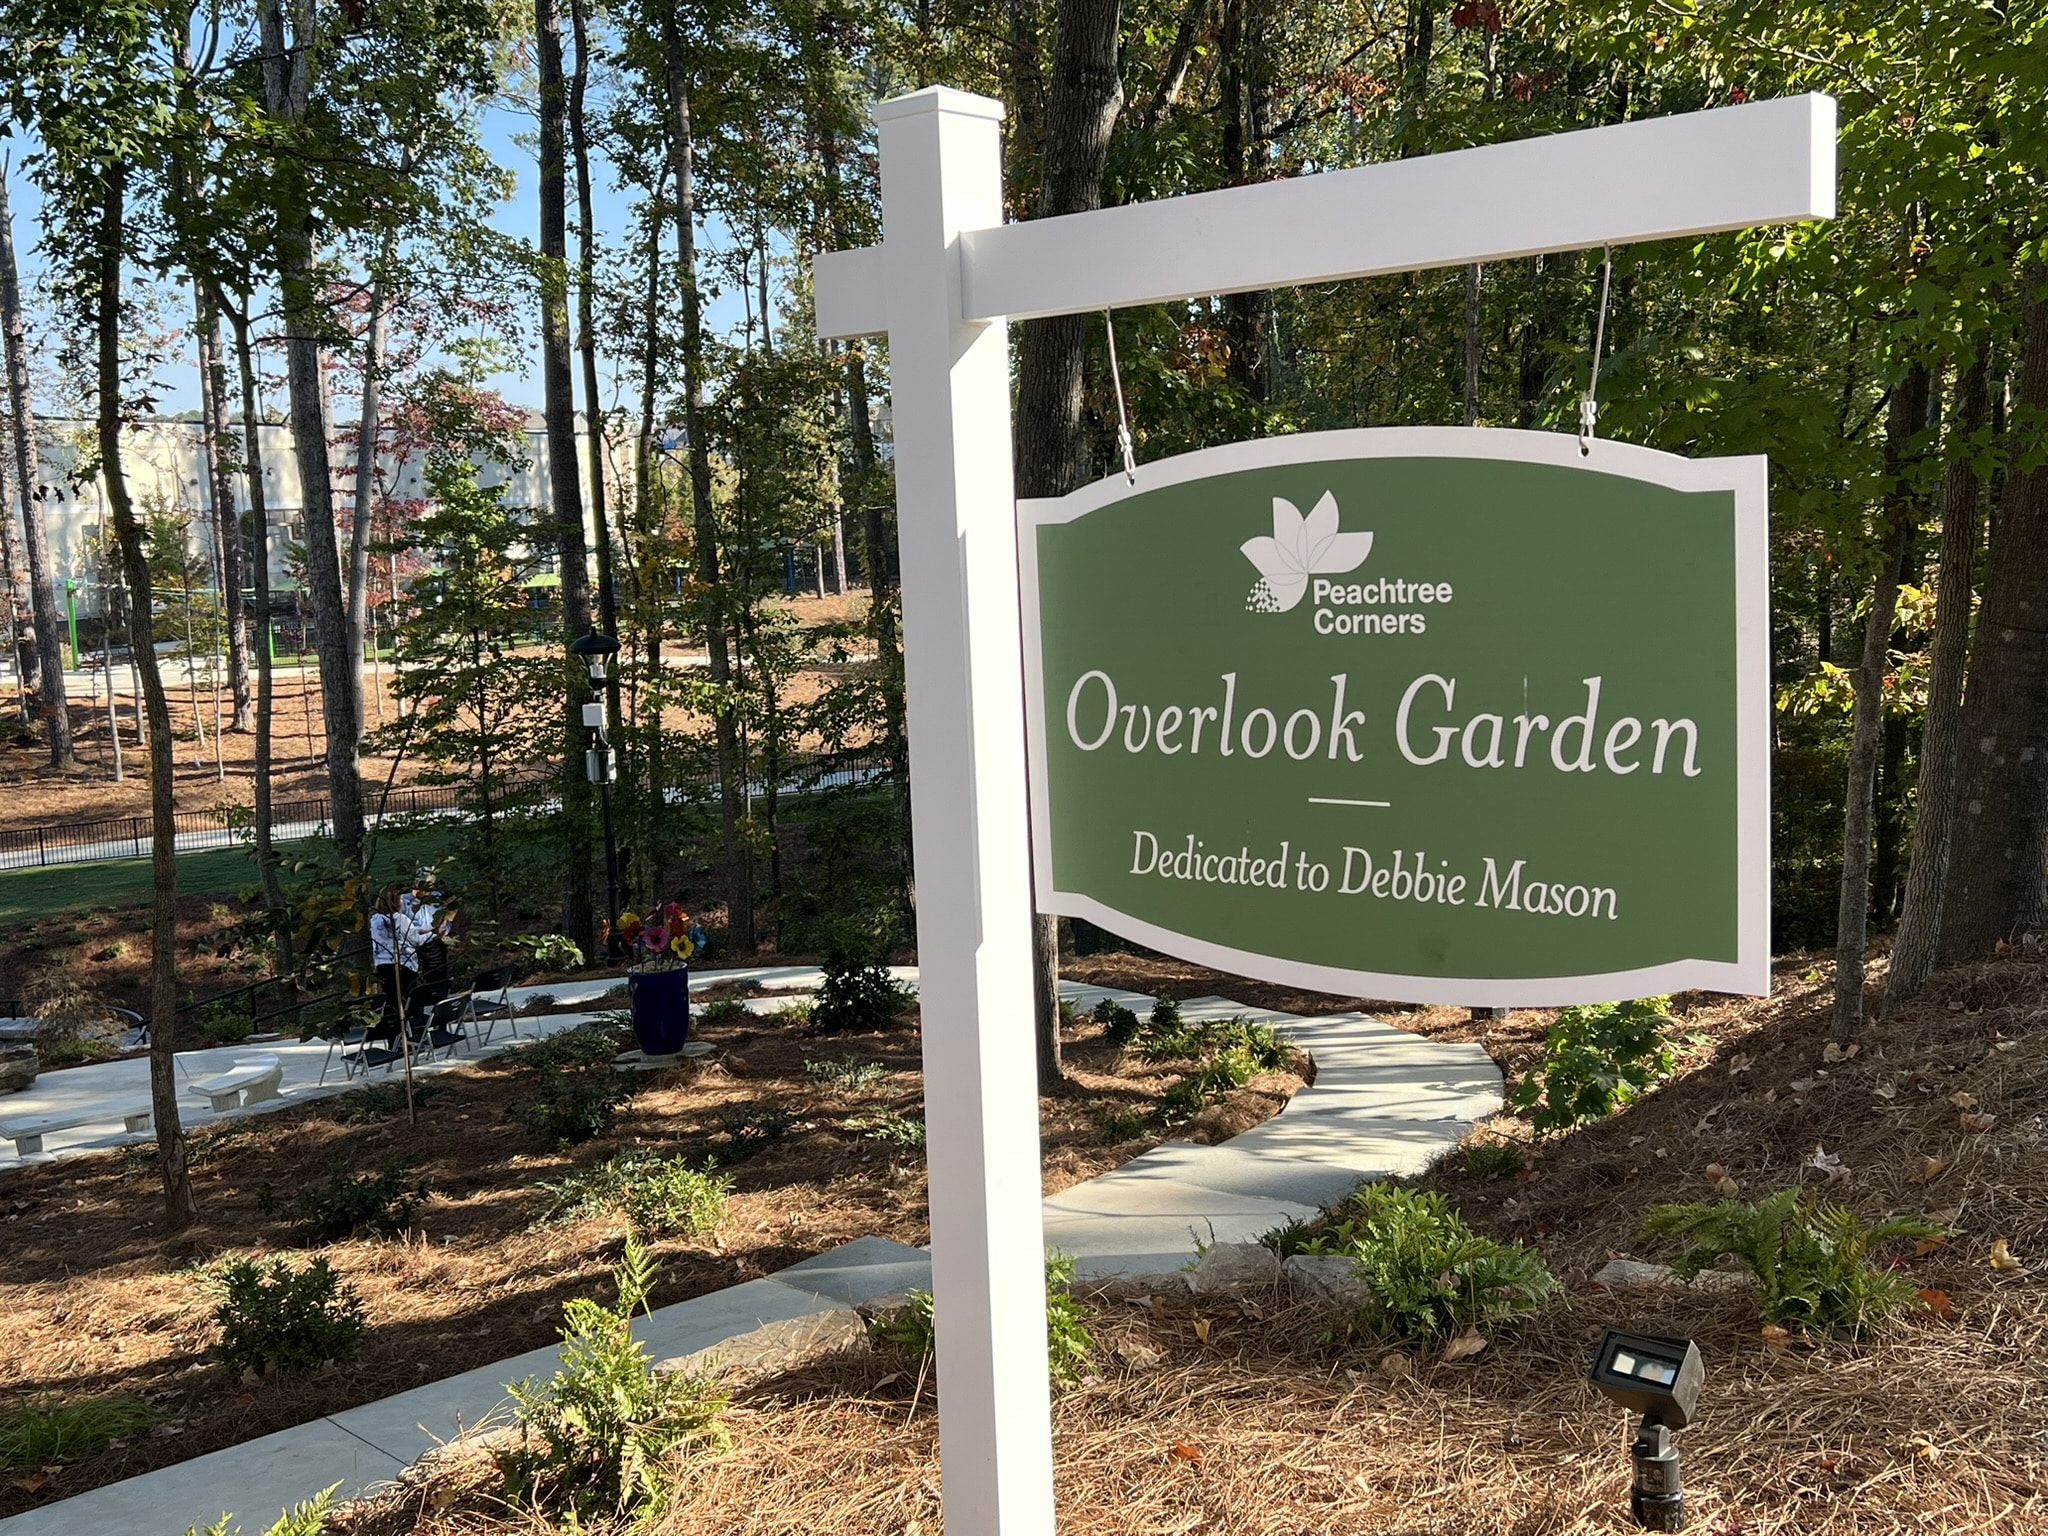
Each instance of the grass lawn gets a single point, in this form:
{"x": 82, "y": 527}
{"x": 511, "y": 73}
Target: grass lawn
{"x": 26, "y": 894}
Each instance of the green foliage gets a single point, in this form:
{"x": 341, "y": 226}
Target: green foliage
{"x": 1493, "y": 1159}
{"x": 1596, "y": 1059}
{"x": 604, "y": 1438}
{"x": 1120, "y": 1125}
{"x": 304, "y": 1519}
{"x": 858, "y": 993}
{"x": 1430, "y": 1275}
{"x": 750, "y": 1129}
{"x": 666, "y": 1197}
{"x": 275, "y": 1318}
{"x": 1119, "y": 1024}
{"x": 1069, "y": 1344}
{"x": 374, "y": 1103}
{"x": 846, "y": 1076}
{"x": 1811, "y": 1257}
{"x": 888, "y": 1128}
{"x": 37, "y": 1437}
{"x": 584, "y": 1049}
{"x": 546, "y": 952}
{"x": 227, "y": 1022}
{"x": 1231, "y": 1067}
{"x": 568, "y": 1110}
{"x": 382, "y": 1203}
{"x": 724, "y": 1010}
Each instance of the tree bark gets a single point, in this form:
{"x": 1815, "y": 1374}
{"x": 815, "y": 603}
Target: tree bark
{"x": 1898, "y": 526}
{"x": 20, "y": 637}
{"x": 565, "y": 485}
{"x": 2001, "y": 821}
{"x": 1051, "y": 448}
{"x": 288, "y": 83}
{"x": 51, "y": 699}
{"x": 731, "y": 789}
{"x": 360, "y": 524}
{"x": 227, "y": 522}
{"x": 1919, "y": 936}
{"x": 586, "y": 330}
{"x": 179, "y": 1206}
{"x": 1472, "y": 345}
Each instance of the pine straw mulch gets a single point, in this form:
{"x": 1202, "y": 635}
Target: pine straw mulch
{"x": 1276, "y": 1424}
{"x": 94, "y": 1300}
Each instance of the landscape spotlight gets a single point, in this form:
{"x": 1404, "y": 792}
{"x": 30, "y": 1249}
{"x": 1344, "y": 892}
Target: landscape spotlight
{"x": 1660, "y": 1379}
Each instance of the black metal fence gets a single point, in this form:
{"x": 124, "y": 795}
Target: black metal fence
{"x": 128, "y": 837}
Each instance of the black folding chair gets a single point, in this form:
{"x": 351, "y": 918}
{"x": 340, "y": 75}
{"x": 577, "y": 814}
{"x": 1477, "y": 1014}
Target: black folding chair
{"x": 490, "y": 1002}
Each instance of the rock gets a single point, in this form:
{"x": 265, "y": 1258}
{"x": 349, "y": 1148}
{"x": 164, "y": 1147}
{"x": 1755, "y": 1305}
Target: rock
{"x": 776, "y": 1347}
{"x": 1633, "y": 1275}
{"x": 1328, "y": 1278}
{"x": 1233, "y": 1269}
{"x": 18, "y": 1066}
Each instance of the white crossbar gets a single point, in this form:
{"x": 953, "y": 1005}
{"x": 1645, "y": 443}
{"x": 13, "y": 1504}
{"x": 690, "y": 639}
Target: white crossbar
{"x": 1765, "y": 162}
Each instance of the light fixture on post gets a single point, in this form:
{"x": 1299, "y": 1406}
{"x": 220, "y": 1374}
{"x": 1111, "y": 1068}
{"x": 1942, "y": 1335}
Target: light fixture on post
{"x": 1660, "y": 1379}
{"x": 601, "y": 764}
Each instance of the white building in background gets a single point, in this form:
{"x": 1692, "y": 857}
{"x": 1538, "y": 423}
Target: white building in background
{"x": 165, "y": 462}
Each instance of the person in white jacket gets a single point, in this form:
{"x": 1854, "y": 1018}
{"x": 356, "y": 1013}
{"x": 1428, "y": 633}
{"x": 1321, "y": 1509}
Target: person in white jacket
{"x": 395, "y": 939}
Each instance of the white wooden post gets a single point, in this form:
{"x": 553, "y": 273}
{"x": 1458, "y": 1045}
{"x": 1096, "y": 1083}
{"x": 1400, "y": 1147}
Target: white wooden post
{"x": 963, "y": 682}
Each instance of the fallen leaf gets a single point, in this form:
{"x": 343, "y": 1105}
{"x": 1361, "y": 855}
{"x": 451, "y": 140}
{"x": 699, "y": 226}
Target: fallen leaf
{"x": 1885, "y": 1091}
{"x": 1465, "y": 1346}
{"x": 1923, "y": 1448}
{"x": 1832, "y": 1052}
{"x": 1927, "y": 1245}
{"x": 1931, "y": 1168}
{"x": 1963, "y": 1100}
{"x": 1182, "y": 1451}
{"x": 889, "y": 1380}
{"x": 1717, "y": 1177}
{"x": 1974, "y": 1122}
{"x": 2006, "y": 1045}
{"x": 1821, "y": 1160}
{"x": 1776, "y": 1336}
{"x": 30, "y": 1483}
{"x": 1202, "y": 1327}
{"x": 1946, "y": 1217}
{"x": 1737, "y": 1065}
{"x": 1397, "y": 1366}
{"x": 1802, "y": 1085}
{"x": 2002, "y": 1259}
{"x": 1938, "y": 1303}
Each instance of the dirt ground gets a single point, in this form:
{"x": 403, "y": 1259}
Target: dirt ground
{"x": 34, "y": 797}
{"x": 1265, "y": 1419}
{"x": 94, "y": 1300}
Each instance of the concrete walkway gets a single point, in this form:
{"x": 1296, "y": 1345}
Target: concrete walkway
{"x": 1383, "y": 1103}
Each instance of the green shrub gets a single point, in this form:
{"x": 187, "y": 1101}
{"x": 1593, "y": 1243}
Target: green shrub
{"x": 1068, "y": 1343}
{"x": 858, "y": 993}
{"x": 275, "y": 1318}
{"x": 546, "y": 952}
{"x": 602, "y": 1439}
{"x": 1119, "y": 1024}
{"x": 307, "y": 1519}
{"x": 1430, "y": 1275}
{"x": 1493, "y": 1159}
{"x": 846, "y": 1075}
{"x": 567, "y": 1111}
{"x": 724, "y": 1010}
{"x": 1230, "y": 1068}
{"x": 1265, "y": 1045}
{"x": 583, "y": 1049}
{"x": 36, "y": 1437}
{"x": 1119, "y": 1125}
{"x": 377, "y": 1204}
{"x": 798, "y": 1013}
{"x": 1596, "y": 1058}
{"x": 228, "y": 1022}
{"x": 375, "y": 1103}
{"x": 666, "y": 1197}
{"x": 889, "y": 1128}
{"x": 1810, "y": 1257}
{"x": 751, "y": 1128}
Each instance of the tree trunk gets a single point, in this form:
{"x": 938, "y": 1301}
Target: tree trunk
{"x": 1472, "y": 345}
{"x": 227, "y": 522}
{"x": 586, "y": 331}
{"x": 1247, "y": 105}
{"x": 731, "y": 788}
{"x": 179, "y": 1207}
{"x": 1899, "y": 525}
{"x": 20, "y": 638}
{"x": 360, "y": 525}
{"x": 1920, "y": 924}
{"x": 287, "y": 86}
{"x": 1051, "y": 447}
{"x": 565, "y": 486}
{"x": 1995, "y": 866}
{"x": 42, "y": 590}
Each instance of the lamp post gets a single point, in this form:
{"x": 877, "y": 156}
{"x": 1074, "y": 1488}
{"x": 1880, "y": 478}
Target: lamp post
{"x": 601, "y": 764}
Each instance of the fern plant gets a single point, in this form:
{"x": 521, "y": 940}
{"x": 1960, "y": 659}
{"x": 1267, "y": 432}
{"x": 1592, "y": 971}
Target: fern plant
{"x": 601, "y": 1439}
{"x": 1596, "y": 1058}
{"x": 1068, "y": 1343}
{"x": 1811, "y": 1257}
{"x": 305, "y": 1519}
{"x": 1430, "y": 1275}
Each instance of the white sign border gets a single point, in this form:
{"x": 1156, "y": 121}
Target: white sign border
{"x": 1747, "y": 477}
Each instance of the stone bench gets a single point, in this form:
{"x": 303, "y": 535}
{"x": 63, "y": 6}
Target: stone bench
{"x": 250, "y": 1080}
{"x": 27, "y": 1131}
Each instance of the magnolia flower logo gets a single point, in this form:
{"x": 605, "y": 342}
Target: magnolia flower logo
{"x": 1300, "y": 547}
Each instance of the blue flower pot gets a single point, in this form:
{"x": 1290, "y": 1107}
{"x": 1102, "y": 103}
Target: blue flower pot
{"x": 660, "y": 1001}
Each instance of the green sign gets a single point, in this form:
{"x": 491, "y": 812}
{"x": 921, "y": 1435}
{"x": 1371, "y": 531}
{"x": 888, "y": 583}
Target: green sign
{"x": 1433, "y": 715}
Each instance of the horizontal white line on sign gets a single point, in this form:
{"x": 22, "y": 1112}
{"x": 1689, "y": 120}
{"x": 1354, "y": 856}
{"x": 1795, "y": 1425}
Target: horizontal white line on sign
{"x": 1383, "y": 805}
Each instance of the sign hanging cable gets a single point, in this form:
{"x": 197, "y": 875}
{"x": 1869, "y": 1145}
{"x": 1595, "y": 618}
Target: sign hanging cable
{"x": 1589, "y": 402}
{"x": 1123, "y": 421}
